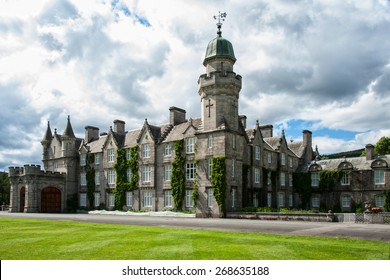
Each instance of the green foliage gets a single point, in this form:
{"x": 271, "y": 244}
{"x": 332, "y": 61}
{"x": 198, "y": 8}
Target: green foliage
{"x": 302, "y": 184}
{"x": 329, "y": 179}
{"x": 90, "y": 176}
{"x": 72, "y": 204}
{"x": 4, "y": 188}
{"x": 386, "y": 206}
{"x": 382, "y": 147}
{"x": 218, "y": 181}
{"x": 133, "y": 164}
{"x": 178, "y": 175}
{"x": 122, "y": 185}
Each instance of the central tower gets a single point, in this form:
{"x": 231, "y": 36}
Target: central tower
{"x": 219, "y": 88}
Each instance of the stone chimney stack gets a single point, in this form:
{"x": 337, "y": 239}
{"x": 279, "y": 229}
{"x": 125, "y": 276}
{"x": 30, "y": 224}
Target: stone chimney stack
{"x": 307, "y": 143}
{"x": 91, "y": 133}
{"x": 266, "y": 130}
{"x": 369, "y": 152}
{"x": 119, "y": 126}
{"x": 176, "y": 115}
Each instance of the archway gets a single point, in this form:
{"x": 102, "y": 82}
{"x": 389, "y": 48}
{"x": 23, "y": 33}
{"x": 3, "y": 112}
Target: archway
{"x": 22, "y": 199}
{"x": 51, "y": 200}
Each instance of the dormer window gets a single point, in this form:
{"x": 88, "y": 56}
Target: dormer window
{"x": 257, "y": 152}
{"x": 146, "y": 151}
{"x": 346, "y": 179}
{"x": 190, "y": 144}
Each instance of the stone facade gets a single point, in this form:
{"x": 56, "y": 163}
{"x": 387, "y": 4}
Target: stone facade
{"x": 259, "y": 166}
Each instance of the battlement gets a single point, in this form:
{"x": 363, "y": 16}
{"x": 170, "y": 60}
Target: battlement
{"x": 220, "y": 78}
{"x": 31, "y": 169}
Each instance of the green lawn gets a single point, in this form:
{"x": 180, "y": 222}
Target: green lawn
{"x": 63, "y": 240}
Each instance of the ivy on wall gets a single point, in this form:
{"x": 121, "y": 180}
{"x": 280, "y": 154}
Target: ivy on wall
{"x": 178, "y": 175}
{"x": 122, "y": 185}
{"x": 302, "y": 184}
{"x": 90, "y": 176}
{"x": 329, "y": 179}
{"x": 133, "y": 164}
{"x": 218, "y": 181}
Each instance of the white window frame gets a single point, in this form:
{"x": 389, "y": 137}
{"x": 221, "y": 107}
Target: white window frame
{"x": 96, "y": 199}
{"x": 97, "y": 159}
{"x": 128, "y": 174}
{"x": 282, "y": 179}
{"x": 167, "y": 172}
{"x": 315, "y": 201}
{"x": 110, "y": 155}
{"x": 257, "y": 153}
{"x": 83, "y": 159}
{"x": 97, "y": 178}
{"x": 281, "y": 200}
{"x": 148, "y": 196}
{"x": 345, "y": 201}
{"x": 83, "y": 200}
{"x": 210, "y": 197}
{"x": 128, "y": 154}
{"x": 189, "y": 200}
{"x": 210, "y": 167}
{"x": 379, "y": 177}
{"x": 190, "y": 170}
{"x": 168, "y": 200}
{"x": 234, "y": 190}
{"x": 111, "y": 200}
{"x": 346, "y": 179}
{"x": 210, "y": 141}
{"x": 256, "y": 199}
{"x": 379, "y": 201}
{"x": 146, "y": 173}
{"x": 269, "y": 199}
{"x": 168, "y": 150}
{"x": 111, "y": 176}
{"x": 233, "y": 168}
{"x": 83, "y": 178}
{"x": 257, "y": 175}
{"x": 315, "y": 180}
{"x": 283, "y": 159}
{"x": 145, "y": 150}
{"x": 190, "y": 145}
{"x": 129, "y": 199}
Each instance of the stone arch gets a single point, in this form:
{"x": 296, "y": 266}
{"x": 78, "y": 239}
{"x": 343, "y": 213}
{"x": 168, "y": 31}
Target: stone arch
{"x": 50, "y": 200}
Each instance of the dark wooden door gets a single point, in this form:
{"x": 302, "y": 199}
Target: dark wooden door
{"x": 22, "y": 199}
{"x": 51, "y": 200}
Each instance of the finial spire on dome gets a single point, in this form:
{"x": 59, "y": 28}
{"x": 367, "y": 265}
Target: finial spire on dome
{"x": 220, "y": 17}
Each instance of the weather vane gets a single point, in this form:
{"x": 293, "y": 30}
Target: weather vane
{"x": 220, "y": 17}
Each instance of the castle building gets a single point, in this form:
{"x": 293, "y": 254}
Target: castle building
{"x": 258, "y": 167}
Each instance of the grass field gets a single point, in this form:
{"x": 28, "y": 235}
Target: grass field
{"x": 29, "y": 239}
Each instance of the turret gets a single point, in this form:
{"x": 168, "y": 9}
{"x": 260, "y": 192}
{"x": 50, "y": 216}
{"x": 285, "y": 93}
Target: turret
{"x": 68, "y": 140}
{"x": 46, "y": 142}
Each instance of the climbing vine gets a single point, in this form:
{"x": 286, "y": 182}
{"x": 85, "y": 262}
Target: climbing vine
{"x": 329, "y": 179}
{"x": 133, "y": 164}
{"x": 122, "y": 185}
{"x": 218, "y": 181}
{"x": 302, "y": 184}
{"x": 90, "y": 177}
{"x": 178, "y": 175}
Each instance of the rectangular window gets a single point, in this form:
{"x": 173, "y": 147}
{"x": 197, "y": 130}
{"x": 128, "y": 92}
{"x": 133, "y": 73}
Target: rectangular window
{"x": 110, "y": 155}
{"x": 282, "y": 179}
{"x": 290, "y": 200}
{"x": 190, "y": 144}
{"x": 145, "y": 151}
{"x": 128, "y": 154}
{"x": 233, "y": 197}
{"x": 83, "y": 200}
{"x": 345, "y": 201}
{"x": 167, "y": 172}
{"x": 210, "y": 167}
{"x": 190, "y": 171}
{"x": 111, "y": 176}
{"x": 346, "y": 179}
{"x": 269, "y": 199}
{"x": 168, "y": 150}
{"x": 315, "y": 182}
{"x": 83, "y": 159}
{"x": 97, "y": 178}
{"x": 257, "y": 153}
{"x": 97, "y": 199}
{"x": 256, "y": 200}
{"x": 168, "y": 198}
{"x": 290, "y": 162}
{"x": 283, "y": 159}
{"x": 280, "y": 200}
{"x": 189, "y": 200}
{"x": 210, "y": 197}
{"x": 129, "y": 199}
{"x": 379, "y": 201}
{"x": 234, "y": 142}
{"x": 111, "y": 200}
{"x": 269, "y": 158}
{"x": 55, "y": 166}
{"x": 83, "y": 179}
{"x": 146, "y": 173}
{"x": 148, "y": 199}
{"x": 257, "y": 175}
{"x": 379, "y": 176}
{"x": 210, "y": 141}
{"x": 233, "y": 168}
{"x": 315, "y": 201}
{"x": 290, "y": 180}
{"x": 269, "y": 180}
{"x": 128, "y": 174}
{"x": 97, "y": 159}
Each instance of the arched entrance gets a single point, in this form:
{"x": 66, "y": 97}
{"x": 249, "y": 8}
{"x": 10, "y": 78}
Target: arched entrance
{"x": 22, "y": 199}
{"x": 51, "y": 200}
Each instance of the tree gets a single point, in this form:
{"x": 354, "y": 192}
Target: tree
{"x": 4, "y": 188}
{"x": 382, "y": 147}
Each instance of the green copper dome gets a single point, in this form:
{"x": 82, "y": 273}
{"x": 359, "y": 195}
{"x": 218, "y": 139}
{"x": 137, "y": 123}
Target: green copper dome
{"x": 219, "y": 47}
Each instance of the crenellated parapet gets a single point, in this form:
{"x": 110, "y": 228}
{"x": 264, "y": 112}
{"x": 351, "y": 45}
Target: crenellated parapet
{"x": 31, "y": 170}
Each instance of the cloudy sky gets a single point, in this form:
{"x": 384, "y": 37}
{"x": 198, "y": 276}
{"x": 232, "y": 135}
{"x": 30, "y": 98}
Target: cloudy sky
{"x": 317, "y": 65}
